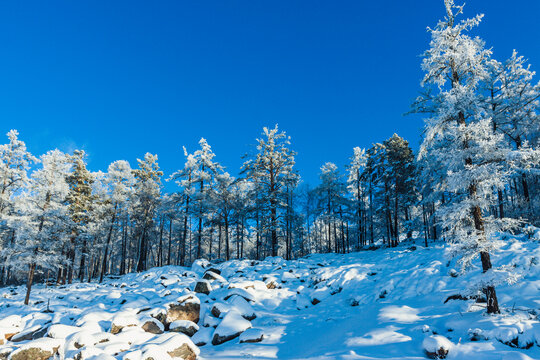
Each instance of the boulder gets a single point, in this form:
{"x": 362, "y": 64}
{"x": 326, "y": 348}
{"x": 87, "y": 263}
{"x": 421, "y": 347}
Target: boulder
{"x": 152, "y": 326}
{"x": 40, "y": 349}
{"x": 219, "y": 309}
{"x": 184, "y": 326}
{"x": 203, "y": 336}
{"x": 203, "y": 287}
{"x": 232, "y": 325}
{"x": 188, "y": 308}
{"x": 177, "y": 346}
{"x": 437, "y": 346}
{"x": 34, "y": 332}
{"x": 251, "y": 336}
{"x": 210, "y": 275}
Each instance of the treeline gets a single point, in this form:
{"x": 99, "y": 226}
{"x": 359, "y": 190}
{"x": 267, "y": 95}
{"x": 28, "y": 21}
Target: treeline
{"x": 477, "y": 167}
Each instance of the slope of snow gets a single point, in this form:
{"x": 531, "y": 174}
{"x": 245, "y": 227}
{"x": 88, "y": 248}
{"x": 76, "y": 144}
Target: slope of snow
{"x": 399, "y": 303}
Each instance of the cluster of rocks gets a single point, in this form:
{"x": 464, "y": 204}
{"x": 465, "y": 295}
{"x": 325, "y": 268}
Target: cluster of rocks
{"x": 213, "y": 312}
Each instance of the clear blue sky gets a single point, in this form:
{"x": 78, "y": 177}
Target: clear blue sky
{"x": 120, "y": 78}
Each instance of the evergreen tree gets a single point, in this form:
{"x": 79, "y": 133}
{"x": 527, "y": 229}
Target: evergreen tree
{"x": 270, "y": 170}
{"x": 80, "y": 205}
{"x": 147, "y": 189}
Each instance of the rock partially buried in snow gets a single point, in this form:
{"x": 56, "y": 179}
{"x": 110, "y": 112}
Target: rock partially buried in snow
{"x": 252, "y": 336}
{"x": 123, "y": 320}
{"x": 40, "y": 349}
{"x": 32, "y": 333}
{"x": 177, "y": 346}
{"x": 203, "y": 336}
{"x": 9, "y": 326}
{"x": 152, "y": 326}
{"x": 231, "y": 327}
{"x": 184, "y": 326}
{"x": 203, "y": 287}
{"x": 437, "y": 346}
{"x": 210, "y": 275}
{"x": 188, "y": 308}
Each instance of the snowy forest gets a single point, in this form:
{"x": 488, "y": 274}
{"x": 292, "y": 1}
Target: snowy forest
{"x": 60, "y": 221}
{"x": 476, "y": 175}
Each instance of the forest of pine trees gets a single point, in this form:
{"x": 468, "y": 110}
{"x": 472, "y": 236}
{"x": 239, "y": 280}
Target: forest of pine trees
{"x": 476, "y": 173}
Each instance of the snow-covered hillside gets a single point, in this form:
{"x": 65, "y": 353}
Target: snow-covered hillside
{"x": 403, "y": 303}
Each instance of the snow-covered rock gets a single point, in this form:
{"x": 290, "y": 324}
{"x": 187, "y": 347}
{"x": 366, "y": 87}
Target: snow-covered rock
{"x": 184, "y": 326}
{"x": 232, "y": 325}
{"x": 40, "y": 349}
{"x": 437, "y": 346}
{"x": 252, "y": 335}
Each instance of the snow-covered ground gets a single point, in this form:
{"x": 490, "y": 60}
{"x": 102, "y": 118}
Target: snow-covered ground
{"x": 380, "y": 304}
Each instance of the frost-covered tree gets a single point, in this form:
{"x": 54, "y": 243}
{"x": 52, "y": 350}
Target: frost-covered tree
{"x": 15, "y": 161}
{"x": 332, "y": 199}
{"x": 400, "y": 174}
{"x": 80, "y": 205}
{"x": 459, "y": 137}
{"x": 358, "y": 193}
{"x": 271, "y": 169}
{"x": 202, "y": 178}
{"x": 146, "y": 194}
{"x": 119, "y": 181}
{"x": 43, "y": 221}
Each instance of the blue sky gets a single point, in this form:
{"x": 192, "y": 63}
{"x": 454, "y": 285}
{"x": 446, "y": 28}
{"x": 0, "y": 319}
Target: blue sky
{"x": 121, "y": 78}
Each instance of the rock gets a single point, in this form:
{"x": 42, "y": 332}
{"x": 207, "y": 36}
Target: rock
{"x": 437, "y": 346}
{"x": 10, "y": 326}
{"x": 5, "y": 351}
{"x": 210, "y": 321}
{"x": 210, "y": 275}
{"x": 34, "y": 332}
{"x": 184, "y": 326}
{"x": 214, "y": 270}
{"x": 40, "y": 349}
{"x": 203, "y": 287}
{"x": 123, "y": 320}
{"x": 252, "y": 336}
{"x": 241, "y": 306}
{"x": 177, "y": 346}
{"x": 240, "y": 292}
{"x": 203, "y": 336}
{"x": 219, "y": 309}
{"x": 187, "y": 309}
{"x": 232, "y": 325}
{"x": 183, "y": 352}
{"x": 271, "y": 285}
{"x": 153, "y": 326}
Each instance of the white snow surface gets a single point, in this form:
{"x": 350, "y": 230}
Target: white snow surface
{"x": 380, "y": 304}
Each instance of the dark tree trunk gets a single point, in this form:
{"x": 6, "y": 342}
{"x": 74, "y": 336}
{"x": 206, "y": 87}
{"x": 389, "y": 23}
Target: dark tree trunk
{"x": 29, "y": 283}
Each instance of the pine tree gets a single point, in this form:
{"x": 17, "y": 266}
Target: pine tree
{"x": 459, "y": 137}
{"x": 270, "y": 170}
{"x": 357, "y": 191}
{"x": 80, "y": 205}
{"x": 43, "y": 219}
{"x": 15, "y": 162}
{"x": 146, "y": 195}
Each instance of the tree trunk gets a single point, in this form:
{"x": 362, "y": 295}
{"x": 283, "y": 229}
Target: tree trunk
{"x": 29, "y": 283}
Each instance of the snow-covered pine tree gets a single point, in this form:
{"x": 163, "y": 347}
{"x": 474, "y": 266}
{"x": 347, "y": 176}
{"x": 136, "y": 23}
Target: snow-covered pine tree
{"x": 146, "y": 196}
{"x": 459, "y": 137}
{"x": 15, "y": 162}
{"x": 43, "y": 221}
{"x": 331, "y": 200}
{"x": 80, "y": 205}
{"x": 358, "y": 193}
{"x": 203, "y": 178}
{"x": 119, "y": 180}
{"x": 400, "y": 172}
{"x": 270, "y": 170}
